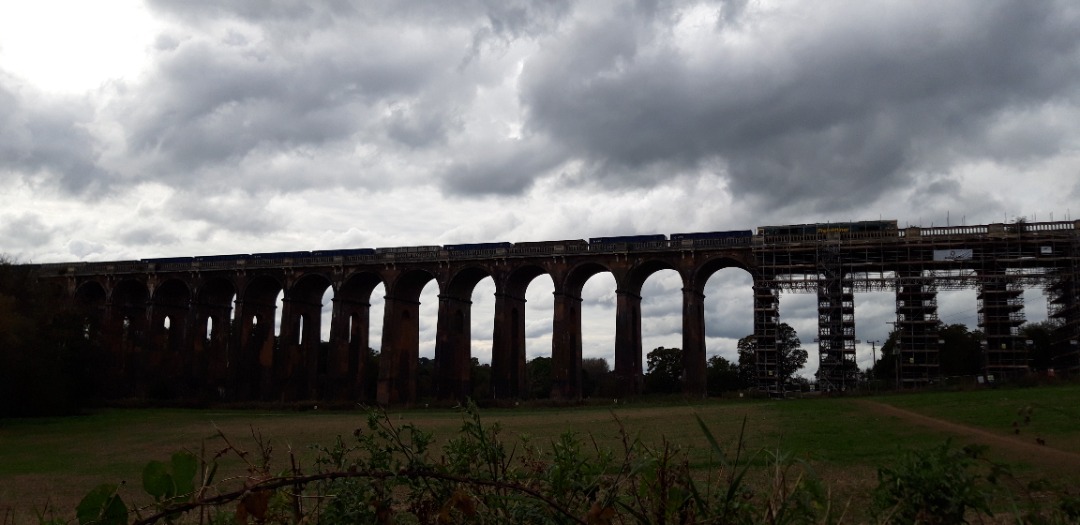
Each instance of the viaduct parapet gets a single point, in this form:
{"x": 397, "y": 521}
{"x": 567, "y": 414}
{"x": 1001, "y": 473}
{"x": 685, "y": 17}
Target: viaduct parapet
{"x": 205, "y": 325}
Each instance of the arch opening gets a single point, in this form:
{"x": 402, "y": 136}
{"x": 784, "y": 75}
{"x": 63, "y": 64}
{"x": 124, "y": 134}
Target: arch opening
{"x": 660, "y": 325}
{"x": 729, "y": 317}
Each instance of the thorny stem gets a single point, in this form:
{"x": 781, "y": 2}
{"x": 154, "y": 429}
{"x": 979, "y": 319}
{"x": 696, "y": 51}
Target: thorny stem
{"x": 279, "y": 482}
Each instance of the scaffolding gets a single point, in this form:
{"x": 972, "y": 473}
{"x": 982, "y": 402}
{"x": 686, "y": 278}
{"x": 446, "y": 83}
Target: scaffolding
{"x": 917, "y": 326}
{"x": 1001, "y": 312}
{"x": 836, "y": 261}
{"x": 837, "y": 368}
{"x": 766, "y": 326}
{"x": 1063, "y": 305}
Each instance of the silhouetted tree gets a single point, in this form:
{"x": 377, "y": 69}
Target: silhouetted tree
{"x": 747, "y": 373}
{"x": 538, "y": 372}
{"x": 1041, "y": 348}
{"x": 480, "y": 376}
{"x": 596, "y": 377}
{"x": 722, "y": 375}
{"x": 425, "y": 378}
{"x": 48, "y": 362}
{"x": 665, "y": 370}
{"x": 370, "y": 379}
{"x": 789, "y": 354}
{"x": 885, "y": 368}
{"x": 960, "y": 351}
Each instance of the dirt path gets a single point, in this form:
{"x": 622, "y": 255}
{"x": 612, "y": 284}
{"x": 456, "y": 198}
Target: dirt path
{"x": 1014, "y": 449}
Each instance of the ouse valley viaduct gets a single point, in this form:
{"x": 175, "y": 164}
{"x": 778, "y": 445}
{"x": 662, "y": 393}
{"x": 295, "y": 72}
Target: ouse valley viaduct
{"x": 204, "y": 326}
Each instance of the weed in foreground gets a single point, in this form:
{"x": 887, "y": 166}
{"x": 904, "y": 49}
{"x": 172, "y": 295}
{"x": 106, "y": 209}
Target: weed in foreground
{"x": 387, "y": 473}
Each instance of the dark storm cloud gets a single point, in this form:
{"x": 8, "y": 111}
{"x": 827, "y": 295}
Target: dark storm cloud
{"x": 46, "y": 140}
{"x": 829, "y": 108}
{"x": 503, "y": 168}
{"x": 807, "y": 108}
{"x": 211, "y": 105}
{"x": 249, "y": 80}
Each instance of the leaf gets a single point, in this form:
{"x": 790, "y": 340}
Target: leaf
{"x": 709, "y": 435}
{"x": 184, "y": 468}
{"x": 102, "y": 506}
{"x": 157, "y": 482}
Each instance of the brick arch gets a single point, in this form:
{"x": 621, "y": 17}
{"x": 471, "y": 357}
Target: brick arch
{"x": 254, "y": 376}
{"x": 304, "y": 359}
{"x": 635, "y": 277}
{"x": 701, "y": 272}
{"x": 350, "y": 330}
{"x": 399, "y": 359}
{"x": 127, "y": 325}
{"x": 508, "y": 357}
{"x": 574, "y": 279}
{"x": 213, "y": 328}
{"x": 90, "y": 300}
{"x": 566, "y": 327}
{"x": 453, "y": 350}
{"x": 168, "y": 354}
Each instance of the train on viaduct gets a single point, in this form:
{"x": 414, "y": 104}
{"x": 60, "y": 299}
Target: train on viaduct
{"x": 205, "y": 325}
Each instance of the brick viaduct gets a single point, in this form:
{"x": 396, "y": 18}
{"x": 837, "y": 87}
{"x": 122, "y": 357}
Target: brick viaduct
{"x": 204, "y": 325}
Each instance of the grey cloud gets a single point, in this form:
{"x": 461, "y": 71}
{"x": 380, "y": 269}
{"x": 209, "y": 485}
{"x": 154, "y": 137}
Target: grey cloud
{"x": 143, "y": 236}
{"x": 825, "y": 116}
{"x": 506, "y": 168}
{"x": 232, "y": 212}
{"x": 293, "y": 81}
{"x": 44, "y": 139}
{"x": 536, "y": 328}
{"x": 509, "y": 20}
{"x": 208, "y": 106}
{"x": 253, "y": 10}
{"x": 85, "y": 249}
{"x": 26, "y": 228}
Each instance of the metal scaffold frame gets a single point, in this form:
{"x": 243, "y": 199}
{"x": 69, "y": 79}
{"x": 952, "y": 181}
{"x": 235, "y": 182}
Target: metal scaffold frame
{"x": 1063, "y": 305}
{"x": 766, "y": 327}
{"x": 835, "y": 261}
{"x": 837, "y": 367}
{"x": 917, "y": 326}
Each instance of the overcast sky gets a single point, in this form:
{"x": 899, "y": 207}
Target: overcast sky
{"x": 167, "y": 128}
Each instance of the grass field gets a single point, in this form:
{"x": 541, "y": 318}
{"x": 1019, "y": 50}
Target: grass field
{"x": 54, "y": 462}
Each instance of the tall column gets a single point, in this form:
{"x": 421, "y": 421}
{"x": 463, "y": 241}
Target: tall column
{"x": 171, "y": 368}
{"x": 1001, "y": 312}
{"x": 566, "y": 348}
{"x": 241, "y": 362}
{"x": 400, "y": 352}
{"x": 628, "y": 343}
{"x": 211, "y": 343}
{"x": 452, "y": 341}
{"x": 508, "y": 347}
{"x": 349, "y": 343}
{"x": 693, "y": 336}
{"x": 837, "y": 367}
{"x": 252, "y": 368}
{"x": 1064, "y": 311}
{"x": 337, "y": 357}
{"x": 112, "y": 340}
{"x": 766, "y": 326}
{"x": 290, "y": 378}
{"x": 313, "y": 359}
{"x": 917, "y": 325}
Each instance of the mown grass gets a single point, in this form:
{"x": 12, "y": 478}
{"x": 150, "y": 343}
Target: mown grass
{"x": 56, "y": 461}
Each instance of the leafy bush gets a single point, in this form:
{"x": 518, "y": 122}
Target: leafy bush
{"x": 937, "y": 486}
{"x": 388, "y": 474}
